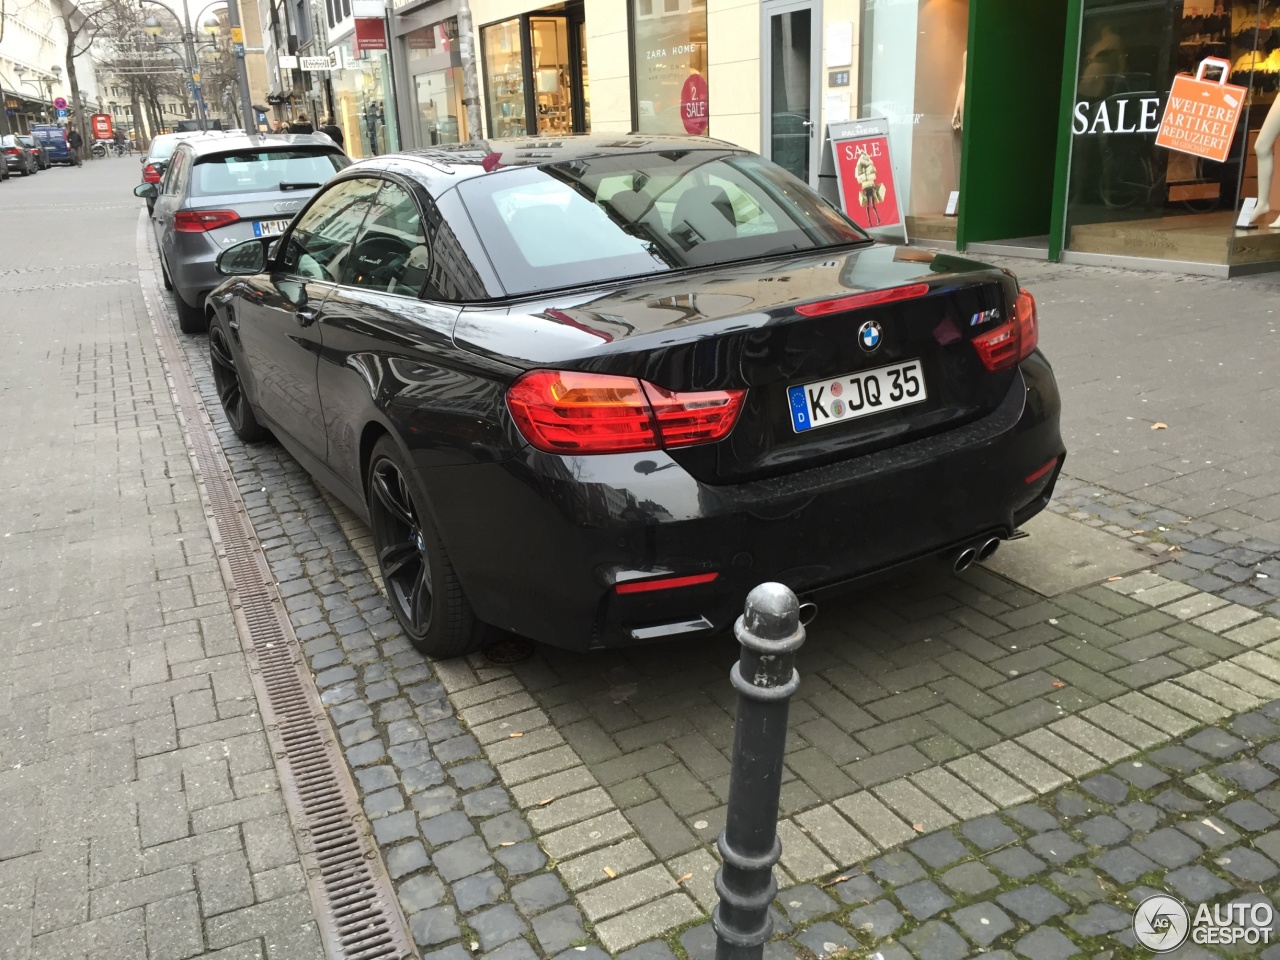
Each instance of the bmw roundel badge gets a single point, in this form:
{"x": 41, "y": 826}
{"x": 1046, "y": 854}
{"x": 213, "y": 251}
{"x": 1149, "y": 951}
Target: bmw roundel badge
{"x": 869, "y": 336}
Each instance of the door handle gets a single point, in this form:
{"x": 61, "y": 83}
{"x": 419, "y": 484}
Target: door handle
{"x": 306, "y": 316}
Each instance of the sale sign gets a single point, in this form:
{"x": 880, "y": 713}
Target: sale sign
{"x": 693, "y": 104}
{"x": 102, "y": 128}
{"x": 1202, "y": 115}
{"x": 868, "y": 194}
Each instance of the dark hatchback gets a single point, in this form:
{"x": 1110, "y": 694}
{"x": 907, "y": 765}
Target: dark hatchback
{"x": 592, "y": 391}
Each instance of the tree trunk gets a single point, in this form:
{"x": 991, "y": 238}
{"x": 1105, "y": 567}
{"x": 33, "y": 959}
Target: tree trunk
{"x": 135, "y": 104}
{"x": 86, "y": 134}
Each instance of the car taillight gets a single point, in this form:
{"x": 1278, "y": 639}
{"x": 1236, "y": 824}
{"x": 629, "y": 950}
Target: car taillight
{"x": 872, "y": 298}
{"x": 1012, "y": 342}
{"x": 197, "y": 221}
{"x": 150, "y": 174}
{"x": 574, "y": 412}
{"x": 664, "y": 583}
{"x": 12, "y": 151}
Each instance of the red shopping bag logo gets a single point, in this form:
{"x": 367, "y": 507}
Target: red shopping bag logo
{"x": 1202, "y": 115}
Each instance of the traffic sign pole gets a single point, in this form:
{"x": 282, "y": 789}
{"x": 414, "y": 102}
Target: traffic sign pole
{"x": 242, "y": 74}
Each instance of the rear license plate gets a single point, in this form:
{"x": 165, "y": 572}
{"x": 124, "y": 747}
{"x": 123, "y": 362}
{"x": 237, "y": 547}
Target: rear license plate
{"x": 827, "y": 402}
{"x": 269, "y": 228}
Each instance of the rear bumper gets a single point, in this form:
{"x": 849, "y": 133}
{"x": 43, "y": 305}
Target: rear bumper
{"x": 540, "y": 541}
{"x": 192, "y": 267}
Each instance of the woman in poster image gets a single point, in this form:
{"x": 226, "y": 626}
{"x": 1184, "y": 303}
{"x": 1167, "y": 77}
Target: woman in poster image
{"x": 872, "y": 192}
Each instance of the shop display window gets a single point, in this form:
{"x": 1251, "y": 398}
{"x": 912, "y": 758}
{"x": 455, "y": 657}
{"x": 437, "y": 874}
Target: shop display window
{"x": 364, "y": 105}
{"x": 440, "y": 114}
{"x": 1130, "y": 196}
{"x": 504, "y": 78}
{"x": 669, "y": 65}
{"x": 912, "y": 75}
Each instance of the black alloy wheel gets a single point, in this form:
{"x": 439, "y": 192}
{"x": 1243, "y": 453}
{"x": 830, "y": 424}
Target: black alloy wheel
{"x": 421, "y": 585}
{"x": 226, "y": 378}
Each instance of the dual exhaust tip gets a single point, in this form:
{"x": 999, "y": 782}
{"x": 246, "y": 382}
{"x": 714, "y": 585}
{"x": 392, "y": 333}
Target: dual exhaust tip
{"x": 971, "y": 555}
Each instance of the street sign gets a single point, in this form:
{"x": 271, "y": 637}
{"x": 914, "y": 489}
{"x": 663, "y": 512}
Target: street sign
{"x": 195, "y": 78}
{"x": 60, "y": 103}
{"x": 237, "y": 49}
{"x": 237, "y": 35}
{"x": 62, "y": 113}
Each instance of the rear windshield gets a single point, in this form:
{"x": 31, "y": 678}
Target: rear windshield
{"x": 606, "y": 218}
{"x": 162, "y": 149}
{"x": 262, "y": 171}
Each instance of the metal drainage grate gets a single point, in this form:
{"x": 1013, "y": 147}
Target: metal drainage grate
{"x": 356, "y": 906}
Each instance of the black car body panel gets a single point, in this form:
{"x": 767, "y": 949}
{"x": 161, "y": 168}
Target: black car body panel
{"x": 541, "y": 540}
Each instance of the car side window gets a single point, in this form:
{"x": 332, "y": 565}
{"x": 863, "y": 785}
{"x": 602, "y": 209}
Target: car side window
{"x": 391, "y": 253}
{"x": 318, "y": 243}
{"x": 170, "y": 185}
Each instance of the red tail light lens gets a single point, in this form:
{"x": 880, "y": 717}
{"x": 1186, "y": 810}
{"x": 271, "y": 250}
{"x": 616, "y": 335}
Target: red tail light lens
{"x": 573, "y": 412}
{"x": 198, "y": 221}
{"x": 664, "y": 583}
{"x": 685, "y": 419}
{"x": 150, "y": 174}
{"x": 1012, "y": 342}
{"x": 872, "y": 298}
{"x": 12, "y": 151}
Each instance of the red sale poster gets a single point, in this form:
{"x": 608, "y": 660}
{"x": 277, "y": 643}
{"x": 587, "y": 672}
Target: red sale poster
{"x": 867, "y": 192}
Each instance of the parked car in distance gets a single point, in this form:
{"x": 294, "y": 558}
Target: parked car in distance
{"x": 18, "y": 156}
{"x": 37, "y": 150}
{"x": 594, "y": 391}
{"x": 4, "y": 172}
{"x": 219, "y": 190}
{"x": 54, "y": 141}
{"x": 157, "y": 157}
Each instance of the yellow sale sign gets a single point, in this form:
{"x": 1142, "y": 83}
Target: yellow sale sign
{"x": 1202, "y": 115}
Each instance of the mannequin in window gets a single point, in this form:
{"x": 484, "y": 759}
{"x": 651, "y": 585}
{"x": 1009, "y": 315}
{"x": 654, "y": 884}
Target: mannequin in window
{"x": 1265, "y": 151}
{"x": 957, "y": 115}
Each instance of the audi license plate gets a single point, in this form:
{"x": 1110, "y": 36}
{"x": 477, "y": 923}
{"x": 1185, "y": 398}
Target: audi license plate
{"x": 824, "y": 402}
{"x": 269, "y": 228}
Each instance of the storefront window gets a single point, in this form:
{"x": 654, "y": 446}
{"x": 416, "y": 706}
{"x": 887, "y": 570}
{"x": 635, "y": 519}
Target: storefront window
{"x": 912, "y": 74}
{"x": 441, "y": 115}
{"x": 504, "y": 78}
{"x": 364, "y": 104}
{"x": 1130, "y": 196}
{"x": 669, "y": 65}
{"x": 551, "y": 74}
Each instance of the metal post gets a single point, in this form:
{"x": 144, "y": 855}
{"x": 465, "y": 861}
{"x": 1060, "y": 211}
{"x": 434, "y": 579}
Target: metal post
{"x": 242, "y": 72}
{"x": 765, "y": 677}
{"x": 470, "y": 75}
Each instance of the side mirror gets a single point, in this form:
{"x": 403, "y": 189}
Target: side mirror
{"x": 244, "y": 259}
{"x": 147, "y": 191}
{"x": 143, "y": 159}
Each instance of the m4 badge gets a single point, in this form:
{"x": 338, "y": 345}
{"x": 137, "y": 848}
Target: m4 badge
{"x": 986, "y": 316}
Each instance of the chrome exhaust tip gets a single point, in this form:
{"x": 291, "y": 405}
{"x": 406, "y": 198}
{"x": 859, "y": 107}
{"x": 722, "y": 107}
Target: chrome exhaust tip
{"x": 988, "y": 548}
{"x": 965, "y": 559}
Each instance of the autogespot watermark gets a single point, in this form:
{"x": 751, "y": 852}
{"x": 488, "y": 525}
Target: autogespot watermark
{"x": 1163, "y": 923}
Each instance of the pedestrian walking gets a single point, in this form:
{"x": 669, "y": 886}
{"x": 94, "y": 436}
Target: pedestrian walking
{"x": 277, "y": 127}
{"x": 332, "y": 131}
{"x": 302, "y": 124}
{"x": 74, "y": 143}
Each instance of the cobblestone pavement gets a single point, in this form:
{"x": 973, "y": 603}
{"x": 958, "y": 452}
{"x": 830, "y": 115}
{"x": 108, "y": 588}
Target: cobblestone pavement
{"x": 140, "y": 813}
{"x": 569, "y": 803}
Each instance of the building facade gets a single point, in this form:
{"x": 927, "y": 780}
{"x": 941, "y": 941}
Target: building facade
{"x": 33, "y": 49}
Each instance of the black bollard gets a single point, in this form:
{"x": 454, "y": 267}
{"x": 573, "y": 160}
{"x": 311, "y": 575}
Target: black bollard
{"x": 765, "y": 678}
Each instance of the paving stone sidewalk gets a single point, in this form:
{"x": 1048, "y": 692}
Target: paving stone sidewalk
{"x": 140, "y": 813}
{"x": 573, "y": 799}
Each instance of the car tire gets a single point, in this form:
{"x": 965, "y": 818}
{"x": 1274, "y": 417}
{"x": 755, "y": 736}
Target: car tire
{"x": 421, "y": 584}
{"x": 190, "y": 319}
{"x": 241, "y": 416}
{"x": 26, "y": 170}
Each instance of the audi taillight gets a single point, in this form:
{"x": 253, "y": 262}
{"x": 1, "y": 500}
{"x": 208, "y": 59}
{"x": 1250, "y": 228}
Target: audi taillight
{"x": 572, "y": 412}
{"x": 12, "y": 151}
{"x": 1011, "y": 342}
{"x": 150, "y": 174}
{"x": 198, "y": 221}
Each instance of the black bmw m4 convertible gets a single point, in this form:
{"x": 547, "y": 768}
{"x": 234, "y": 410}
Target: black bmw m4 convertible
{"x": 593, "y": 390}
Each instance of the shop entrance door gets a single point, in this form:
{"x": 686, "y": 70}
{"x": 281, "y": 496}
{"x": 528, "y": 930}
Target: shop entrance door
{"x": 536, "y": 74}
{"x": 1009, "y": 188}
{"x": 791, "y": 34}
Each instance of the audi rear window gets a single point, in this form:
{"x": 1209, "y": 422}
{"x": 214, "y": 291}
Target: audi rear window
{"x": 618, "y": 216}
{"x": 265, "y": 171}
